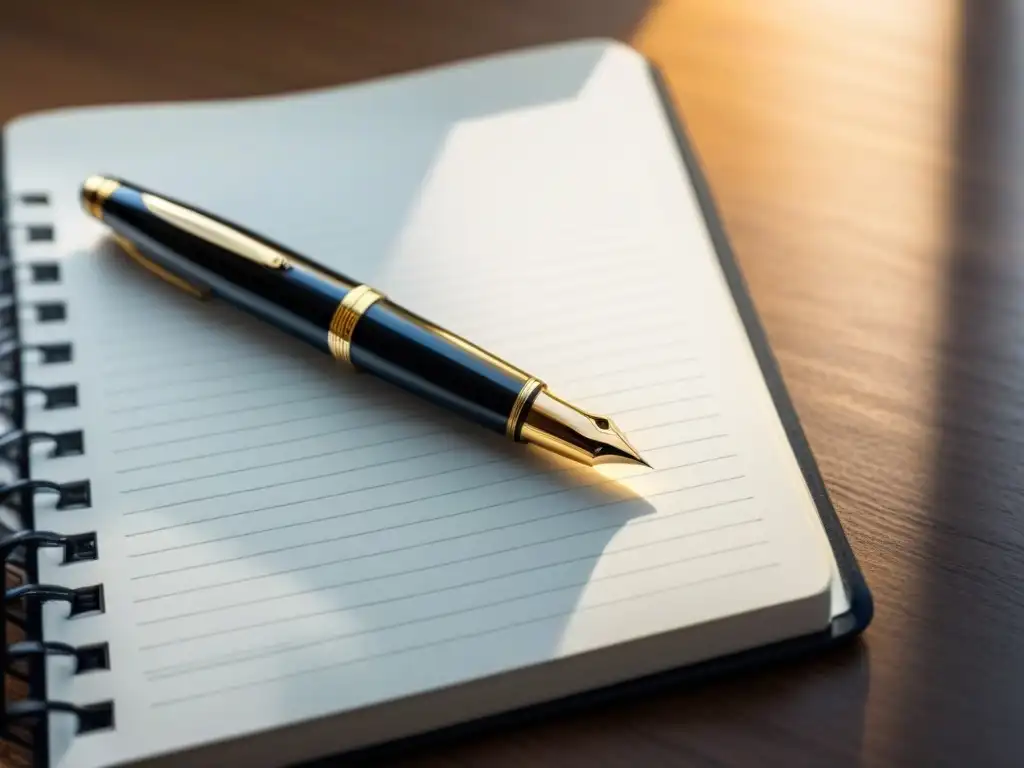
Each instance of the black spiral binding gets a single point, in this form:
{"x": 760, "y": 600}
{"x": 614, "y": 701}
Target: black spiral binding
{"x": 27, "y": 712}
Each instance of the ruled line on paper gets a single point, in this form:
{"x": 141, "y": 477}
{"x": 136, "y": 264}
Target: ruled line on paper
{"x": 588, "y": 580}
{"x": 188, "y": 351}
{"x": 310, "y": 521}
{"x": 599, "y": 255}
{"x": 244, "y": 512}
{"x": 173, "y": 384}
{"x": 165, "y": 314}
{"x": 553, "y": 338}
{"x": 311, "y": 417}
{"x": 455, "y": 433}
{"x": 245, "y": 409}
{"x": 633, "y": 388}
{"x": 327, "y": 540}
{"x": 641, "y": 368}
{"x": 235, "y": 492}
{"x": 429, "y": 567}
{"x": 175, "y": 354}
{"x": 345, "y": 449}
{"x": 284, "y": 462}
{"x": 349, "y": 400}
{"x": 631, "y": 366}
{"x": 168, "y": 314}
{"x": 196, "y": 666}
{"x": 218, "y": 433}
{"x": 286, "y": 384}
{"x": 346, "y": 429}
{"x": 527, "y": 473}
{"x": 547, "y": 293}
{"x": 572, "y": 380}
{"x": 262, "y": 354}
{"x": 560, "y": 614}
{"x": 673, "y": 401}
{"x": 289, "y": 386}
{"x": 193, "y": 590}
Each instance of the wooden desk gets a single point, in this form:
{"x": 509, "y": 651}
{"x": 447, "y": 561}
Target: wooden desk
{"x": 866, "y": 157}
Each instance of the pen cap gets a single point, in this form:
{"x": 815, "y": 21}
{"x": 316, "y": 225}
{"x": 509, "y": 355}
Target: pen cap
{"x": 212, "y": 258}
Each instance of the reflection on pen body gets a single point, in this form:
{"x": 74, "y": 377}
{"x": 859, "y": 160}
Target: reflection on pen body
{"x": 209, "y": 257}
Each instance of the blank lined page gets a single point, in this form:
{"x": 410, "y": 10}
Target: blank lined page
{"x": 281, "y": 538}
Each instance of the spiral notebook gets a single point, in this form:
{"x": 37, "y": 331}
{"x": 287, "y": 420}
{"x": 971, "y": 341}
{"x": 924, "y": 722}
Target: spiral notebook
{"x": 238, "y": 553}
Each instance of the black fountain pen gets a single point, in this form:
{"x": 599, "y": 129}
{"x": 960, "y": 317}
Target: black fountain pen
{"x": 209, "y": 257}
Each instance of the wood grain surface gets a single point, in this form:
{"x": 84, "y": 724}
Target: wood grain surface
{"x": 866, "y": 160}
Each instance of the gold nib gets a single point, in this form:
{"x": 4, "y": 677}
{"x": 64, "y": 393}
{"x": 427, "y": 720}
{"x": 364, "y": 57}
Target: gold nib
{"x": 621, "y": 451}
{"x": 556, "y": 425}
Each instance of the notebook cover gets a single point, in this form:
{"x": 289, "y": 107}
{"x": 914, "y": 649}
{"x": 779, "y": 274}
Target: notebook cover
{"x": 843, "y": 628}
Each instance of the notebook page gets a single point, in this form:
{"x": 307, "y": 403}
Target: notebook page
{"x": 281, "y": 539}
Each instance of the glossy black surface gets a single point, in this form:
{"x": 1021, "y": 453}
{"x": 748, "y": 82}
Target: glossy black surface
{"x": 409, "y": 352}
{"x": 389, "y": 342}
{"x": 300, "y": 300}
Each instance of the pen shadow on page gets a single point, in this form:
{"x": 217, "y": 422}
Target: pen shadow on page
{"x": 345, "y": 524}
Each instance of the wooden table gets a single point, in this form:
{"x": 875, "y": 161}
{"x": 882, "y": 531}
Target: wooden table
{"x": 867, "y": 158}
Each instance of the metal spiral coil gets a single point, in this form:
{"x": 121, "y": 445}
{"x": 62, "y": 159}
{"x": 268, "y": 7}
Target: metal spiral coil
{"x": 25, "y": 721}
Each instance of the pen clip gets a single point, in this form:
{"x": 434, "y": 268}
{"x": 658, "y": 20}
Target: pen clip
{"x": 200, "y": 292}
{"x": 214, "y": 232}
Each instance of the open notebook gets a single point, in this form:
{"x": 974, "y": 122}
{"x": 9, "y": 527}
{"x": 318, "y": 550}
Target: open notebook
{"x": 297, "y": 561}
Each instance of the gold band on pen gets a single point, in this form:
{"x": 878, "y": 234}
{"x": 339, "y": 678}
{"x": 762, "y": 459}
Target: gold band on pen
{"x": 346, "y": 316}
{"x": 531, "y": 386}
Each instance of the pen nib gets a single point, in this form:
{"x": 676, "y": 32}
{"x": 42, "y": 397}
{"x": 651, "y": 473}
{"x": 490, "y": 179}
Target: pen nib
{"x": 614, "y": 448}
{"x": 590, "y": 439}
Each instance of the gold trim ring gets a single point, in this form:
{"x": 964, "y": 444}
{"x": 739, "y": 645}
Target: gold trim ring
{"x": 531, "y": 386}
{"x": 343, "y": 323}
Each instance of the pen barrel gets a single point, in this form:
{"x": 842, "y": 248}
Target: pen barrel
{"x": 208, "y": 256}
{"x": 426, "y": 360}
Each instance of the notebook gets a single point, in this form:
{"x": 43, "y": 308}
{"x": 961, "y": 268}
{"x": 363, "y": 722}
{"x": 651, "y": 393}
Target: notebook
{"x": 270, "y": 560}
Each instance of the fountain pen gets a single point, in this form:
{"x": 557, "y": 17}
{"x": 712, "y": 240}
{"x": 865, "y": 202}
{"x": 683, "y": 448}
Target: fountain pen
{"x": 210, "y": 257}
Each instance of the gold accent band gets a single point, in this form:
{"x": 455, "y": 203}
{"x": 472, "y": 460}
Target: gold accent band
{"x": 343, "y": 323}
{"x": 531, "y": 386}
{"x": 95, "y": 192}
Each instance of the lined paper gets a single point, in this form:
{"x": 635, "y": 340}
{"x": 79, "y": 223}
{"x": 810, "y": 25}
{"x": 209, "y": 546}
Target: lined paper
{"x": 283, "y": 539}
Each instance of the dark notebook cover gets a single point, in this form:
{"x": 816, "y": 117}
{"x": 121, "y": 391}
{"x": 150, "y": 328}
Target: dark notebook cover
{"x": 843, "y": 628}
